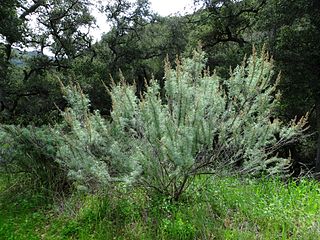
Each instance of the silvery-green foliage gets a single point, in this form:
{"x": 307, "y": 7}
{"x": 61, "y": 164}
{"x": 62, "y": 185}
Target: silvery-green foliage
{"x": 87, "y": 149}
{"x": 203, "y": 123}
{"x": 248, "y": 128}
{"x": 32, "y": 151}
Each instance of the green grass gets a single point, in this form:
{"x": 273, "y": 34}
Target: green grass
{"x": 21, "y": 211}
{"x": 215, "y": 208}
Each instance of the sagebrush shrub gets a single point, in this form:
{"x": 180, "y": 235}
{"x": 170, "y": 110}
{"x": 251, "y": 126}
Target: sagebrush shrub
{"x": 32, "y": 151}
{"x": 203, "y": 123}
{"x": 90, "y": 150}
{"x": 198, "y": 124}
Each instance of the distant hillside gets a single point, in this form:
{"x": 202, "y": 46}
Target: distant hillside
{"x": 20, "y": 56}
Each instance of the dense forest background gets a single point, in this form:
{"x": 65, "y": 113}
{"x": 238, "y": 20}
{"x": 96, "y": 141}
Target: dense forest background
{"x": 138, "y": 42}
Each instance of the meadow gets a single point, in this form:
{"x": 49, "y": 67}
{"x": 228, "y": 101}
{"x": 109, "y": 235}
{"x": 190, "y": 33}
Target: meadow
{"x": 212, "y": 208}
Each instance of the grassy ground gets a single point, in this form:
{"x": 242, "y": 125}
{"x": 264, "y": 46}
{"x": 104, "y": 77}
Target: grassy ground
{"x": 220, "y": 208}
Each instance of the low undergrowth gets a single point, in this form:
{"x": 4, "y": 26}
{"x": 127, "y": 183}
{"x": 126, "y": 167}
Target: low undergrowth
{"x": 212, "y": 208}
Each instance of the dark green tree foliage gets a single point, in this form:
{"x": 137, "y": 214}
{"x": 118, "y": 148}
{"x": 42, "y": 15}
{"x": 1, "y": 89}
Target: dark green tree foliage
{"x": 10, "y": 32}
{"x": 63, "y": 20}
{"x": 129, "y": 23}
{"x": 224, "y": 28}
{"x": 140, "y": 40}
{"x": 292, "y": 29}
{"x": 226, "y": 20}
{"x": 49, "y": 27}
{"x": 137, "y": 44}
